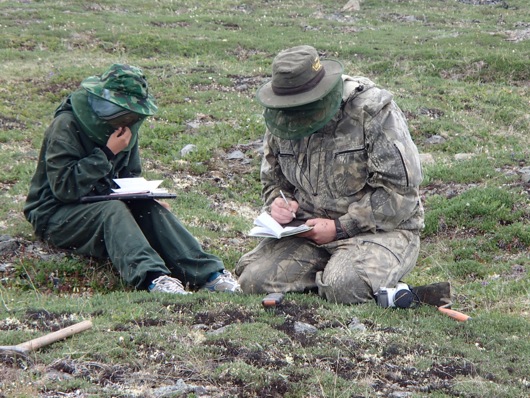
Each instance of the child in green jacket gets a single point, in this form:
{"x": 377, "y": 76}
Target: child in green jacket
{"x": 92, "y": 140}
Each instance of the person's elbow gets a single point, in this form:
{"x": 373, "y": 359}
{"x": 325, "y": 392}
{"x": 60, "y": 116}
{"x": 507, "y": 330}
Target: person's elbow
{"x": 66, "y": 193}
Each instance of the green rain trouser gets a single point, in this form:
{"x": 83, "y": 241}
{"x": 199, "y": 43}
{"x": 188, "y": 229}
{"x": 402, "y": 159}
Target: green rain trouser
{"x": 347, "y": 271}
{"x": 138, "y": 237}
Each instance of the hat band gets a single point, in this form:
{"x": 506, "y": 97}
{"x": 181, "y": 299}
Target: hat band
{"x": 116, "y": 115}
{"x": 106, "y": 110}
{"x": 307, "y": 86}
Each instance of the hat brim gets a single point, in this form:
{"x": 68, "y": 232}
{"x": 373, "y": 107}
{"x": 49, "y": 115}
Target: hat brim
{"x": 143, "y": 106}
{"x": 266, "y": 97}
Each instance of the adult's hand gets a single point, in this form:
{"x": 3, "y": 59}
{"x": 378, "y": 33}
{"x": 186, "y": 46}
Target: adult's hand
{"x": 119, "y": 140}
{"x": 323, "y": 230}
{"x": 283, "y": 212}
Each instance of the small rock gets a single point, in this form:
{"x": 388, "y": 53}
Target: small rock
{"x": 187, "y": 149}
{"x": 5, "y": 266}
{"x": 355, "y": 324}
{"x": 352, "y": 5}
{"x": 399, "y": 394}
{"x": 451, "y": 193}
{"x": 8, "y": 246}
{"x": 192, "y": 125}
{"x": 199, "y": 390}
{"x": 180, "y": 387}
{"x": 3, "y": 238}
{"x": 301, "y": 327}
{"x": 220, "y": 330}
{"x": 464, "y": 156}
{"x": 525, "y": 174}
{"x": 237, "y": 154}
{"x": 57, "y": 376}
{"x": 427, "y": 158}
{"x": 435, "y": 139}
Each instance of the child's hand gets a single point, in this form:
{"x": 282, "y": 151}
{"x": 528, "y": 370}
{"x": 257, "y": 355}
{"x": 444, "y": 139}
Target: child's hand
{"x": 165, "y": 205}
{"x": 119, "y": 140}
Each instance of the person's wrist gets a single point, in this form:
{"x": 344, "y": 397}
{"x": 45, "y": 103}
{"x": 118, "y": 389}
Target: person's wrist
{"x": 339, "y": 232}
{"x": 108, "y": 153}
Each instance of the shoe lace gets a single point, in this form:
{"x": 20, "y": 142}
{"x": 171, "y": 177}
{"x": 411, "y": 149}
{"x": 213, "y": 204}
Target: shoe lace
{"x": 226, "y": 278}
{"x": 168, "y": 284}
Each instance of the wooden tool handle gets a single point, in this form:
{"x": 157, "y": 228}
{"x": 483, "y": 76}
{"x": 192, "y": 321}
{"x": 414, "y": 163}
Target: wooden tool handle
{"x": 459, "y": 316}
{"x": 55, "y": 336}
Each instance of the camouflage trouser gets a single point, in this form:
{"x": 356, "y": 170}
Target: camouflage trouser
{"x": 347, "y": 271}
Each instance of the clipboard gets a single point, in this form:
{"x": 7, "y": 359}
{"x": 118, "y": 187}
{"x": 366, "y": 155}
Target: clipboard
{"x": 128, "y": 196}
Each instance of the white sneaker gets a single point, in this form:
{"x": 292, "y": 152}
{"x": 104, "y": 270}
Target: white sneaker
{"x": 225, "y": 282}
{"x": 167, "y": 284}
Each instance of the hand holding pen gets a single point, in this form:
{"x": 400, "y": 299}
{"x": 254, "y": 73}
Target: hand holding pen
{"x": 288, "y": 204}
{"x": 283, "y": 210}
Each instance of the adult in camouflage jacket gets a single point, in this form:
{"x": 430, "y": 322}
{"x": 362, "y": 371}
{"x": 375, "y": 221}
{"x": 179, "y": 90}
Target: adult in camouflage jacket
{"x": 339, "y": 149}
{"x": 92, "y": 140}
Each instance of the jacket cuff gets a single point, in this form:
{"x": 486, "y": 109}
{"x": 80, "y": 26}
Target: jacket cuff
{"x": 339, "y": 231}
{"x": 108, "y": 153}
{"x": 350, "y": 227}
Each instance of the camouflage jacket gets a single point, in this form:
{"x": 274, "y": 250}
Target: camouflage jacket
{"x": 361, "y": 168}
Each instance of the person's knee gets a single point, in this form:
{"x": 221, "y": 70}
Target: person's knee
{"x": 245, "y": 283}
{"x": 254, "y": 277}
{"x": 113, "y": 208}
{"x": 343, "y": 289}
{"x": 249, "y": 283}
{"x": 250, "y": 273}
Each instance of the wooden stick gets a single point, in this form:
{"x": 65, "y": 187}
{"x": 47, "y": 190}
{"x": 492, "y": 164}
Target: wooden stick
{"x": 28, "y": 346}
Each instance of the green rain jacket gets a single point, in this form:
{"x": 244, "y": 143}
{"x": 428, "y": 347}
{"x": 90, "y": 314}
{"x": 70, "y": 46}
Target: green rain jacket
{"x": 71, "y": 166}
{"x": 362, "y": 167}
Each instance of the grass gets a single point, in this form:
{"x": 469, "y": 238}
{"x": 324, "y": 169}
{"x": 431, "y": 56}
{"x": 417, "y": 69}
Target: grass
{"x": 458, "y": 69}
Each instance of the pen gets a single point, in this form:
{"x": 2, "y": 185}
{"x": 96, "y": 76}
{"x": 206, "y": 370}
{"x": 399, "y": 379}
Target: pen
{"x": 287, "y": 203}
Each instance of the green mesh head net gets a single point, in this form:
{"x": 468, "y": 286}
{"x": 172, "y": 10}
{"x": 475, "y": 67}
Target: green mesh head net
{"x": 301, "y": 121}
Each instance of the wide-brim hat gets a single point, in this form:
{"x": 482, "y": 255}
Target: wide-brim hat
{"x": 125, "y": 86}
{"x": 96, "y": 128}
{"x": 299, "y": 77}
